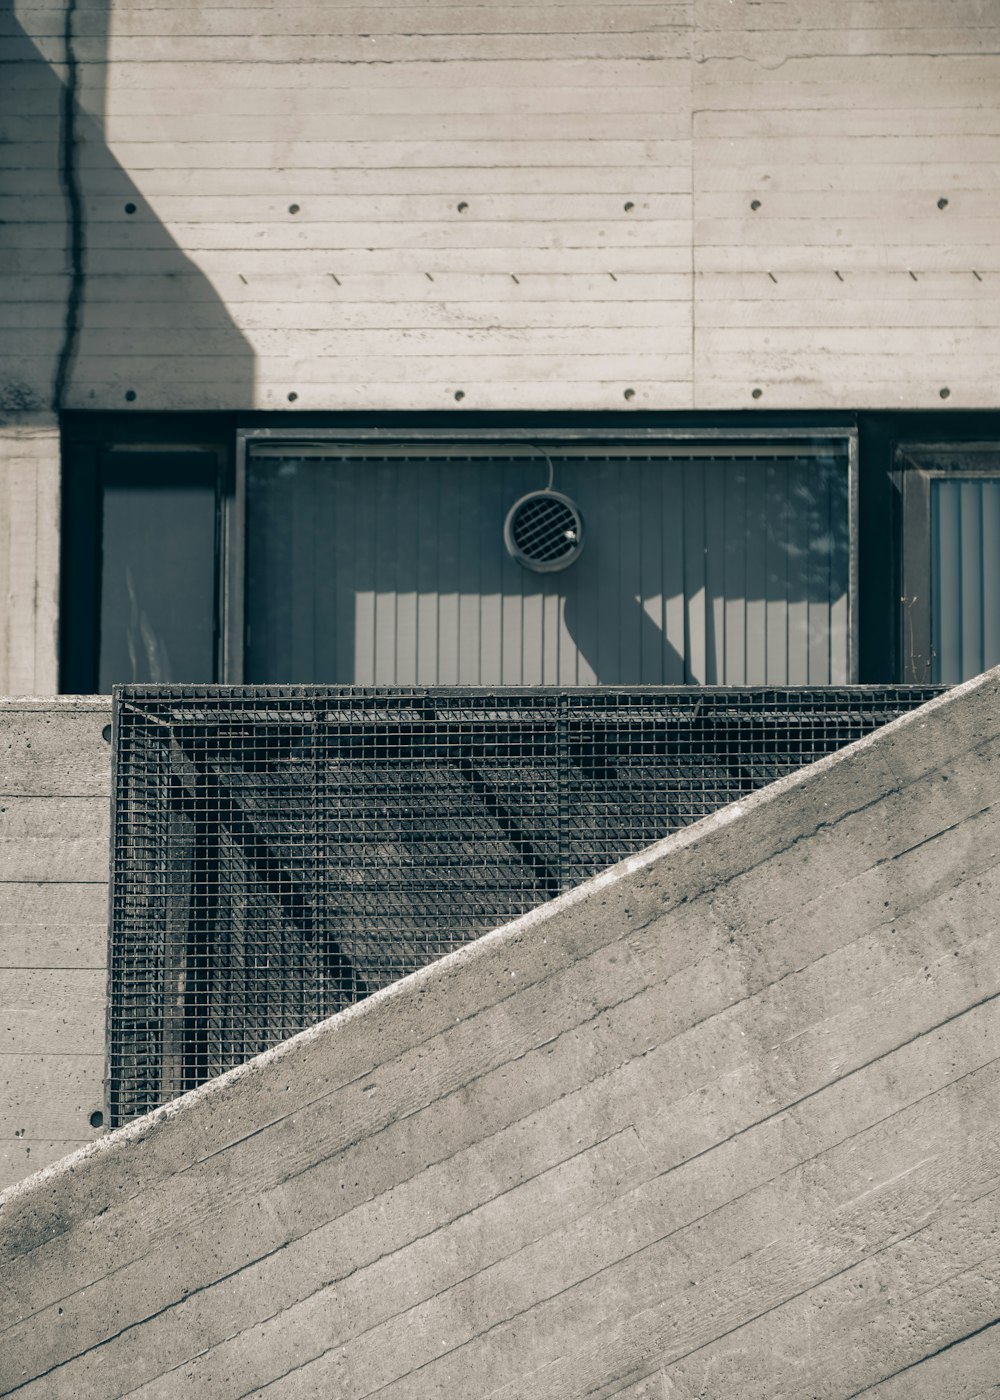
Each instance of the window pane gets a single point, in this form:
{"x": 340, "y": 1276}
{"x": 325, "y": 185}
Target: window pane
{"x": 392, "y": 570}
{"x": 965, "y": 577}
{"x": 158, "y": 568}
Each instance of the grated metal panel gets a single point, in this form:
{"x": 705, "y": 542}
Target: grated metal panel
{"x": 282, "y": 852}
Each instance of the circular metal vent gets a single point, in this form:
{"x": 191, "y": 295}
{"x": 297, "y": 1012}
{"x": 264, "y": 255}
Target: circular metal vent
{"x": 544, "y": 531}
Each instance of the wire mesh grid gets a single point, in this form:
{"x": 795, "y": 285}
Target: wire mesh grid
{"x": 280, "y": 853}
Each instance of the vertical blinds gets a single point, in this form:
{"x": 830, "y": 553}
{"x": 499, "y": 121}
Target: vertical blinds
{"x": 728, "y": 569}
{"x": 965, "y": 577}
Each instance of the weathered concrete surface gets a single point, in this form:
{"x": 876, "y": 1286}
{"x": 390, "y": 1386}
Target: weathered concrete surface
{"x": 720, "y": 1123}
{"x": 55, "y": 781}
{"x": 452, "y": 207}
{"x": 29, "y": 553}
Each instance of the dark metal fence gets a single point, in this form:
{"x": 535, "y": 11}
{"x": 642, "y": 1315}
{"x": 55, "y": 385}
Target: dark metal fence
{"x": 282, "y": 852}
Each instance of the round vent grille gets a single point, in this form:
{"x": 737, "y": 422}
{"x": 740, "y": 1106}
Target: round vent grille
{"x": 544, "y": 531}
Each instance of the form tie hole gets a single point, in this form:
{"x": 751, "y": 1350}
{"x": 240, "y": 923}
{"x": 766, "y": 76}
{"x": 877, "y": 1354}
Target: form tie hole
{"x": 942, "y": 203}
{"x": 945, "y": 393}
{"x": 755, "y": 204}
{"x": 97, "y": 1119}
{"x": 293, "y": 209}
{"x": 130, "y": 209}
{"x": 459, "y": 395}
{"x": 757, "y": 393}
{"x": 130, "y": 396}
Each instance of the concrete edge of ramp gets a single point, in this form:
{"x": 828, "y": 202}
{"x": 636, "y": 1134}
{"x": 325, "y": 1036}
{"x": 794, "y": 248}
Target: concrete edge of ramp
{"x": 721, "y": 1121}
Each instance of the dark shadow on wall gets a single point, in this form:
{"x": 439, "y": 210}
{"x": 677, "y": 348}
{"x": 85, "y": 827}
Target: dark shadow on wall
{"x": 103, "y": 309}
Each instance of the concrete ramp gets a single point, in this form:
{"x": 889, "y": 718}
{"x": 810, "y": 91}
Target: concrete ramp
{"x": 723, "y": 1122}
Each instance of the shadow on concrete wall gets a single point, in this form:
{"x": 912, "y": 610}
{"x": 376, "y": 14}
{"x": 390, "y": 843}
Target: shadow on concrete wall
{"x": 104, "y": 309}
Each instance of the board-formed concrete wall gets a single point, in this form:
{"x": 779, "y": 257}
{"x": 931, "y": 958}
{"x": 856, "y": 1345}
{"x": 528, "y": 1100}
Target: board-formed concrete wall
{"x": 517, "y": 206}
{"x": 55, "y": 783}
{"x": 721, "y": 1122}
{"x": 29, "y": 553}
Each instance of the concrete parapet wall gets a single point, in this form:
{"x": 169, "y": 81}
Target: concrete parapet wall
{"x": 55, "y": 781}
{"x": 720, "y": 1123}
{"x": 29, "y": 553}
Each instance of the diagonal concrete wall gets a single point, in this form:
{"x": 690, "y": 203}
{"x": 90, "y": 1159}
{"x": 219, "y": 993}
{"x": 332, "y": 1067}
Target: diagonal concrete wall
{"x": 720, "y": 1123}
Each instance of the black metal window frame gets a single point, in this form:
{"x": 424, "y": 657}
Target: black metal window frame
{"x": 918, "y": 465}
{"x": 85, "y": 458}
{"x": 85, "y": 448}
{"x": 362, "y": 442}
{"x": 884, "y": 647}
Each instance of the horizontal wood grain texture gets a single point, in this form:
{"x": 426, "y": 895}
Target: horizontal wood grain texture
{"x": 607, "y": 43}
{"x": 59, "y": 906}
{"x": 104, "y": 187}
{"x": 809, "y": 15}
{"x": 723, "y": 1120}
{"x": 477, "y": 142}
{"x": 489, "y": 101}
{"x": 915, "y": 259}
{"x": 49, "y": 1097}
{"x": 42, "y": 835}
{"x": 76, "y": 945}
{"x": 448, "y": 236}
{"x": 854, "y": 314}
{"x": 837, "y": 155}
{"x": 29, "y": 547}
{"x": 368, "y": 155}
{"x": 322, "y": 294}
{"x": 399, "y": 305}
{"x": 58, "y": 752}
{"x": 444, "y": 344}
{"x": 55, "y": 784}
{"x": 228, "y": 213}
{"x": 912, "y": 117}
{"x": 43, "y": 1007}
{"x": 933, "y": 40}
{"x": 242, "y": 21}
{"x": 483, "y": 143}
{"x": 162, "y": 264}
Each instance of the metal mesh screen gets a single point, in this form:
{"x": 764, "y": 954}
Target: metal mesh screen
{"x": 280, "y": 853}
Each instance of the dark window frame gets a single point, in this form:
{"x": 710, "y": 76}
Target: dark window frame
{"x": 88, "y": 441}
{"x": 918, "y": 465}
{"x": 883, "y": 648}
{"x": 700, "y": 439}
